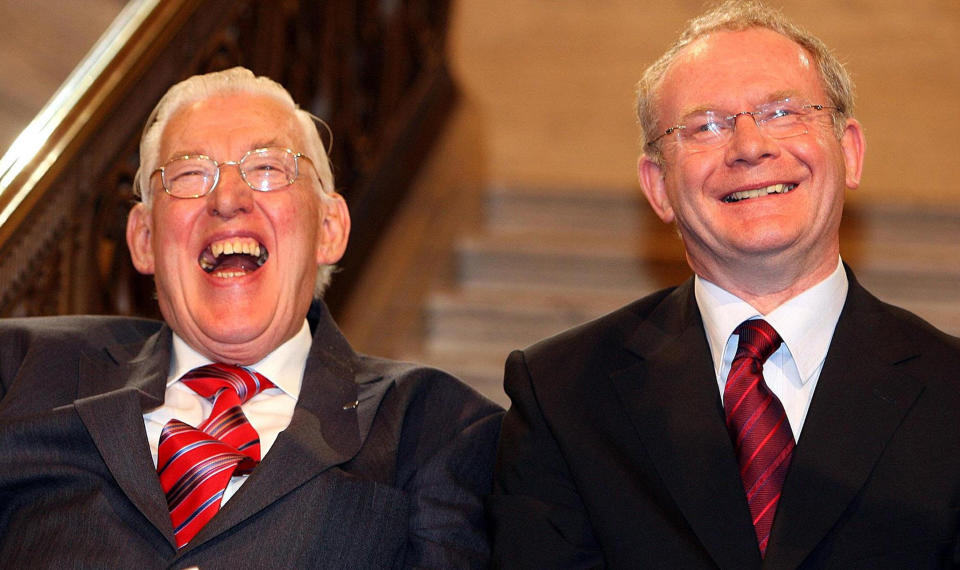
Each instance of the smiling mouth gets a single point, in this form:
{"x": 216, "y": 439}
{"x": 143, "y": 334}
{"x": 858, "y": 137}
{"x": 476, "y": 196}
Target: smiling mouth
{"x": 233, "y": 257}
{"x": 758, "y": 192}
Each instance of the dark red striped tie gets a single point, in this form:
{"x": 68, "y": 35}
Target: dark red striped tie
{"x": 758, "y": 425}
{"x": 195, "y": 464}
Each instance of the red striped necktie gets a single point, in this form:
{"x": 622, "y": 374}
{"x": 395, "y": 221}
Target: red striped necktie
{"x": 195, "y": 464}
{"x": 758, "y": 425}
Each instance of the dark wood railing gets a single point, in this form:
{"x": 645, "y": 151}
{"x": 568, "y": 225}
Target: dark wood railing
{"x": 373, "y": 70}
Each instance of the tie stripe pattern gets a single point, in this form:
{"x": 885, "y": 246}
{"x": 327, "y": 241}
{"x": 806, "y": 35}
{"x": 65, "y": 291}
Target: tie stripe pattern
{"x": 758, "y": 425}
{"x": 195, "y": 464}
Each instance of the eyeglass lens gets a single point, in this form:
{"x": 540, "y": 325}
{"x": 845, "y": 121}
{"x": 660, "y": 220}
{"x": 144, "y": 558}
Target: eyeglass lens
{"x": 778, "y": 119}
{"x": 262, "y": 169}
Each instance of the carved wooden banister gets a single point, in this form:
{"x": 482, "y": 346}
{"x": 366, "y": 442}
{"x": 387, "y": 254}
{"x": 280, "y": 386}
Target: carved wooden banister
{"x": 373, "y": 70}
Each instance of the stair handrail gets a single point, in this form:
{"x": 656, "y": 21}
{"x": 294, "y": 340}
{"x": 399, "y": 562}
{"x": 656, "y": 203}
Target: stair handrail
{"x": 28, "y": 166}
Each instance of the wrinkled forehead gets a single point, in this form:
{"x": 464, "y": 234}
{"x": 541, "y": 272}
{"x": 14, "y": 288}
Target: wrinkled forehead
{"x": 234, "y": 122}
{"x": 732, "y": 69}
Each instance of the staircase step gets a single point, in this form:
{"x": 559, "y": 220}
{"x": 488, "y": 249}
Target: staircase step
{"x": 608, "y": 210}
{"x": 504, "y": 318}
{"x": 879, "y": 224}
{"x": 479, "y": 368}
{"x": 570, "y": 261}
{"x": 898, "y": 285}
{"x": 945, "y": 315}
{"x": 922, "y": 258}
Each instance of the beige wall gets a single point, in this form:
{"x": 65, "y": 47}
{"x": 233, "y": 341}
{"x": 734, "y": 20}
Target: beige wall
{"x": 552, "y": 82}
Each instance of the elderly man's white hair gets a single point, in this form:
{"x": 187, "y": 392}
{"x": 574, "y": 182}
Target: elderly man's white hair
{"x": 237, "y": 80}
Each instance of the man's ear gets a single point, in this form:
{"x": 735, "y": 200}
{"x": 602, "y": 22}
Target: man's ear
{"x": 654, "y": 187}
{"x": 139, "y": 239}
{"x": 854, "y": 146}
{"x": 334, "y": 229}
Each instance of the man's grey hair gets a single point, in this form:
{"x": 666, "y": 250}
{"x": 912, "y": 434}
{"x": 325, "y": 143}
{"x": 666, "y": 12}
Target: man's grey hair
{"x": 234, "y": 81}
{"x": 738, "y": 15}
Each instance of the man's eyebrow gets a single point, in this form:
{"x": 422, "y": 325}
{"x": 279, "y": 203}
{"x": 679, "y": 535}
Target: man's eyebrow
{"x": 781, "y": 95}
{"x": 698, "y": 109}
{"x": 263, "y": 143}
{"x": 180, "y": 154}
{"x": 778, "y": 95}
{"x": 695, "y": 110}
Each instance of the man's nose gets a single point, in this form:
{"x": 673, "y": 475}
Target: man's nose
{"x": 232, "y": 195}
{"x": 749, "y": 143}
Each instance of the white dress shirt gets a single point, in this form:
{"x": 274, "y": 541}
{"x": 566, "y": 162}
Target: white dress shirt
{"x": 805, "y": 323}
{"x": 269, "y": 411}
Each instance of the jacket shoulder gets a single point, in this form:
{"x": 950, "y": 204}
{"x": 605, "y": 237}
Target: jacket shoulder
{"x": 941, "y": 346}
{"x": 612, "y": 329}
{"x": 412, "y": 382}
{"x": 77, "y": 329}
{"x": 54, "y": 342}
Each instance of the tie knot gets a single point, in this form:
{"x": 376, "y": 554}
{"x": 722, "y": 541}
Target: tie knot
{"x": 758, "y": 340}
{"x": 210, "y": 379}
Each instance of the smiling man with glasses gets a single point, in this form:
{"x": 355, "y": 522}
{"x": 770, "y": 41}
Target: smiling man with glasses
{"x": 243, "y": 431}
{"x": 769, "y": 412}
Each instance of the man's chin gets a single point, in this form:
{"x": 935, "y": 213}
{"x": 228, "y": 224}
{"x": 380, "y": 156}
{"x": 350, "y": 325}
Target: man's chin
{"x": 234, "y": 337}
{"x": 239, "y": 347}
{"x": 233, "y": 327}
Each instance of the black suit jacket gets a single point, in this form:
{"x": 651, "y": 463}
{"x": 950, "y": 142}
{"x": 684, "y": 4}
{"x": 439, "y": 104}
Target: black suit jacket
{"x": 396, "y": 480}
{"x": 614, "y": 452}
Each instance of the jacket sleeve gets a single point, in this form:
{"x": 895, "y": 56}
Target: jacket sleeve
{"x": 537, "y": 517}
{"x": 448, "y": 449}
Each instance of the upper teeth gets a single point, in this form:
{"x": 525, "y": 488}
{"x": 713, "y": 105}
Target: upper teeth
{"x": 756, "y": 193}
{"x": 235, "y": 245}
{"x": 208, "y": 259}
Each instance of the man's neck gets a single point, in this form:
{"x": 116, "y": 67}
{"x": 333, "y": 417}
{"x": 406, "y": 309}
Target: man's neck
{"x": 766, "y": 283}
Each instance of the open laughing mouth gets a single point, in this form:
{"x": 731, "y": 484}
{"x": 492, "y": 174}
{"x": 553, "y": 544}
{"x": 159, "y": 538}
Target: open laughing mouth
{"x": 233, "y": 257}
{"x": 757, "y": 192}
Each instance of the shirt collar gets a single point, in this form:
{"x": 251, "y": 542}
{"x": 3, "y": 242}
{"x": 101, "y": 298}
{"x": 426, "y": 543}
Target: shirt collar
{"x": 805, "y": 322}
{"x": 284, "y": 366}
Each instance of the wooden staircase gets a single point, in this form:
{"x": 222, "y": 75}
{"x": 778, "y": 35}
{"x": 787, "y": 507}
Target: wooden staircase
{"x": 546, "y": 259}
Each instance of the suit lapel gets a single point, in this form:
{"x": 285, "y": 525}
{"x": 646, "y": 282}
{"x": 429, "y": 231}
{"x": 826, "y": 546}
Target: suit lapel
{"x": 324, "y": 431}
{"x": 115, "y": 387}
{"x": 857, "y": 406}
{"x": 674, "y": 404}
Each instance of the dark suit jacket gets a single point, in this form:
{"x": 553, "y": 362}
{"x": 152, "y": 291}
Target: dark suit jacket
{"x": 614, "y": 452}
{"x": 396, "y": 480}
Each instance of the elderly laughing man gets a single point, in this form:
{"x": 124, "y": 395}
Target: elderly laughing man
{"x": 243, "y": 431}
